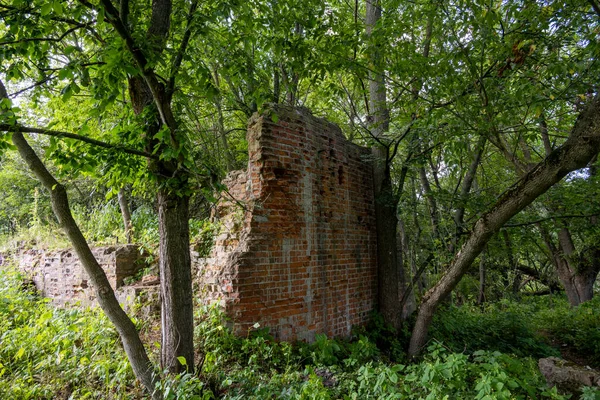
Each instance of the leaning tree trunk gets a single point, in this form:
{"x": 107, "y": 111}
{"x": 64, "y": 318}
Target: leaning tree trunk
{"x": 106, "y": 296}
{"x": 134, "y": 348}
{"x": 581, "y": 146}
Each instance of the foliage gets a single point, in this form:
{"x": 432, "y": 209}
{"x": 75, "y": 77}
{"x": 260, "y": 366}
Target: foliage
{"x": 48, "y": 353}
{"x": 505, "y": 327}
{"x": 53, "y": 353}
{"x": 255, "y": 367}
{"x": 576, "y": 328}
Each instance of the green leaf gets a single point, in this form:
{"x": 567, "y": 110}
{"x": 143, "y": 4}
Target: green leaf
{"x": 46, "y": 8}
{"x": 182, "y": 360}
{"x": 57, "y": 7}
{"x": 20, "y": 353}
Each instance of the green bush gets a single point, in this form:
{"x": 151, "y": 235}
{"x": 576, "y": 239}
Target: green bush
{"x": 574, "y": 327}
{"x": 505, "y": 327}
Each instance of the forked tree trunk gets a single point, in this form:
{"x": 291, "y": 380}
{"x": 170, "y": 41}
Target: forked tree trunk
{"x": 579, "y": 270}
{"x": 581, "y": 146}
{"x": 386, "y": 202}
{"x": 177, "y": 317}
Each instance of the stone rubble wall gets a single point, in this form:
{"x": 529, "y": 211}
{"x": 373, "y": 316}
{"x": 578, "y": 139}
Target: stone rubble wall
{"x": 60, "y": 276}
{"x": 297, "y": 248}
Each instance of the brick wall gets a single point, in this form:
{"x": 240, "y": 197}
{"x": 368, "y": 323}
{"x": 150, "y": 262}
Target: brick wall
{"x": 60, "y": 276}
{"x": 296, "y": 251}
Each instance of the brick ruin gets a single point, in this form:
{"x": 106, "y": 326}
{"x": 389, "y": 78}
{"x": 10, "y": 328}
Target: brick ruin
{"x": 296, "y": 251}
{"x": 297, "y": 248}
{"x": 60, "y": 276}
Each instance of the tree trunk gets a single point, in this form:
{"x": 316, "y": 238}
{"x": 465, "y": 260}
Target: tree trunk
{"x": 516, "y": 284}
{"x": 177, "y": 318}
{"x": 175, "y": 281}
{"x": 407, "y": 293}
{"x": 386, "y": 202}
{"x": 132, "y": 344}
{"x": 431, "y": 201}
{"x": 467, "y": 183}
{"x": 229, "y": 161}
{"x": 565, "y": 276}
{"x": 579, "y": 271}
{"x": 581, "y": 146}
{"x": 126, "y": 214}
{"x": 387, "y": 254}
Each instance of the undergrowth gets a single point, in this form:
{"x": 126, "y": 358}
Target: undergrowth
{"x": 50, "y": 353}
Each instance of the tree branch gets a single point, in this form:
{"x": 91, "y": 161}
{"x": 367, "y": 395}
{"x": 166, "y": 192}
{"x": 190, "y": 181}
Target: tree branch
{"x": 124, "y": 11}
{"x": 38, "y": 83}
{"x": 112, "y": 16}
{"x": 595, "y": 6}
{"x": 182, "y": 48}
{"x": 537, "y": 221}
{"x": 59, "y": 134}
{"x": 58, "y": 19}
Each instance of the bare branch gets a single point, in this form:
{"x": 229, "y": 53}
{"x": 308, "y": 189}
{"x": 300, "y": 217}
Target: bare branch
{"x": 58, "y": 39}
{"x": 38, "y": 83}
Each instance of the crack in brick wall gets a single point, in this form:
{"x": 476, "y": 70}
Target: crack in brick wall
{"x": 296, "y": 252}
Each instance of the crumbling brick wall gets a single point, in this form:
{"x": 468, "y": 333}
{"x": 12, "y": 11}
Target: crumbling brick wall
{"x": 60, "y": 276}
{"x": 296, "y": 251}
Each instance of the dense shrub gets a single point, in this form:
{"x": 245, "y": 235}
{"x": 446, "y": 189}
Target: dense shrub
{"x": 506, "y": 327}
{"x": 576, "y": 328}
{"x": 49, "y": 353}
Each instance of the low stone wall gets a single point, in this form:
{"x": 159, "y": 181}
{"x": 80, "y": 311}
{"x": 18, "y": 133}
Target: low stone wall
{"x": 60, "y": 276}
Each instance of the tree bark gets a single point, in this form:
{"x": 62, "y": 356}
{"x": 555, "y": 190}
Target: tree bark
{"x": 132, "y": 344}
{"x": 581, "y": 146}
{"x": 175, "y": 281}
{"x": 229, "y": 161}
{"x": 467, "y": 183}
{"x": 148, "y": 95}
{"x": 482, "y": 273}
{"x": 516, "y": 284}
{"x": 581, "y": 269}
{"x": 565, "y": 275}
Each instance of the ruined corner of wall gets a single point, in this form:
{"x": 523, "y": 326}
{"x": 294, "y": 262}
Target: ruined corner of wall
{"x": 295, "y": 251}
